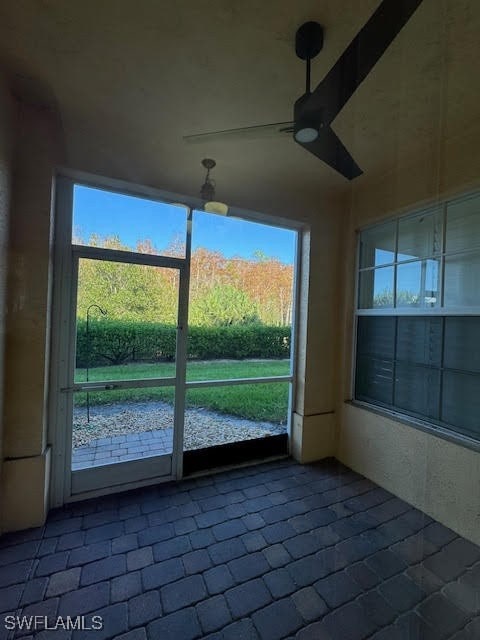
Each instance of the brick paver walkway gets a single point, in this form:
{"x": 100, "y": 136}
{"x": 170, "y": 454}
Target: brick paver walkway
{"x": 273, "y": 551}
{"x": 130, "y": 446}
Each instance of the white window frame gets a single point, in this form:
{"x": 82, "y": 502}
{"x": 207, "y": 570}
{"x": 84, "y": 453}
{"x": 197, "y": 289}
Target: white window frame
{"x": 441, "y": 310}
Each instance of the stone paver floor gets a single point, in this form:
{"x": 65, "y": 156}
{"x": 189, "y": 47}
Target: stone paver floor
{"x": 268, "y": 552}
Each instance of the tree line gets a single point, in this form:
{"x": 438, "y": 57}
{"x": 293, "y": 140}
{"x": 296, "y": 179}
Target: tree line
{"x": 223, "y": 291}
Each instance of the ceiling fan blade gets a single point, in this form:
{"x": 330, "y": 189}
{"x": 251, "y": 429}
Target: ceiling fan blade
{"x": 244, "y": 133}
{"x": 329, "y": 148}
{"x": 360, "y": 57}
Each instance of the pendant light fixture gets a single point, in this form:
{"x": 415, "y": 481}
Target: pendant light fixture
{"x": 207, "y": 191}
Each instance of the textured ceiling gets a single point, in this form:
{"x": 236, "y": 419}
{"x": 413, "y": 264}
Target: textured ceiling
{"x": 131, "y": 78}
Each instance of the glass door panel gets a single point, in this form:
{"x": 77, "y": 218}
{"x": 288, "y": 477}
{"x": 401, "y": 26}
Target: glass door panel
{"x": 114, "y": 426}
{"x": 104, "y": 219}
{"x": 126, "y": 321}
{"x": 125, "y": 375}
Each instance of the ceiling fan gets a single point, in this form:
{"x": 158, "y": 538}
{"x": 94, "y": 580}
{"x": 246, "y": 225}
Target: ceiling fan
{"x": 315, "y": 110}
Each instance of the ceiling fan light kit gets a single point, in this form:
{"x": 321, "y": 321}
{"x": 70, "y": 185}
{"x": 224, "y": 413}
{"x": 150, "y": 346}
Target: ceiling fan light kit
{"x": 220, "y": 208}
{"x": 307, "y": 125}
{"x": 315, "y": 111}
{"x": 306, "y": 134}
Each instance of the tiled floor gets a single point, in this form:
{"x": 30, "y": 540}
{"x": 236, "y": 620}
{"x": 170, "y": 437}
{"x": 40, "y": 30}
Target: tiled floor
{"x": 274, "y": 551}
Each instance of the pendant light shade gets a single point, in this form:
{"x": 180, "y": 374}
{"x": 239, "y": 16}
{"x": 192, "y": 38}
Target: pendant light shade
{"x": 216, "y": 207}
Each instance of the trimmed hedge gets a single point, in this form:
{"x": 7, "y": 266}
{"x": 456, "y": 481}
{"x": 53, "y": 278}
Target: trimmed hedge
{"x": 116, "y": 342}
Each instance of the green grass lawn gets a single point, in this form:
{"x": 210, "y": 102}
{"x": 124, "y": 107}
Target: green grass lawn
{"x": 265, "y": 401}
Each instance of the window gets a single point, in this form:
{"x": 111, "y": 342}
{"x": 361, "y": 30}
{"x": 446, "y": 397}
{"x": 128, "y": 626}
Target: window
{"x": 418, "y": 316}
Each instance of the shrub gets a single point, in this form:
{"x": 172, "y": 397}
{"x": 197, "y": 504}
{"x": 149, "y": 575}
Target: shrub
{"x": 119, "y": 341}
{"x": 250, "y": 341}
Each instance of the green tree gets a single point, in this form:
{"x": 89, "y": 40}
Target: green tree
{"x": 223, "y": 305}
{"x": 127, "y": 291}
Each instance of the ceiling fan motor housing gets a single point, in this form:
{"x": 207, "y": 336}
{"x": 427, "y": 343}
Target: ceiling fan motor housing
{"x": 307, "y": 123}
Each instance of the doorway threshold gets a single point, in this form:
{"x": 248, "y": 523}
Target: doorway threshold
{"x": 234, "y": 454}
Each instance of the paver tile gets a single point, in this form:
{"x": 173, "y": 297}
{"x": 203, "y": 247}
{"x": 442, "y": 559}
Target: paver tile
{"x": 276, "y": 551}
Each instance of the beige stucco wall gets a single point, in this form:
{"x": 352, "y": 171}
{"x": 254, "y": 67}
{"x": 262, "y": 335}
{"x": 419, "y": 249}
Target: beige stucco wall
{"x": 26, "y": 496}
{"x": 25, "y": 477}
{"x": 435, "y": 475}
{"x": 6, "y": 122}
{"x": 313, "y": 426}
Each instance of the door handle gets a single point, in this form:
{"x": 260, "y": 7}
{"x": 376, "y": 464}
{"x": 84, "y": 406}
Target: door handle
{"x": 97, "y": 387}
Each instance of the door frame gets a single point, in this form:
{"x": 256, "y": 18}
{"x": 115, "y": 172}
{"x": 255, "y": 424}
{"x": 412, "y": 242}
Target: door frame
{"x": 78, "y": 481}
{"x": 62, "y": 355}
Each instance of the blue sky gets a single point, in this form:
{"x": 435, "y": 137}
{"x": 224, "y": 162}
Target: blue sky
{"x": 106, "y": 214}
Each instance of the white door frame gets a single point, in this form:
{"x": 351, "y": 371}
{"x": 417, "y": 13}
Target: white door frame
{"x": 68, "y": 485}
{"x": 164, "y": 466}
